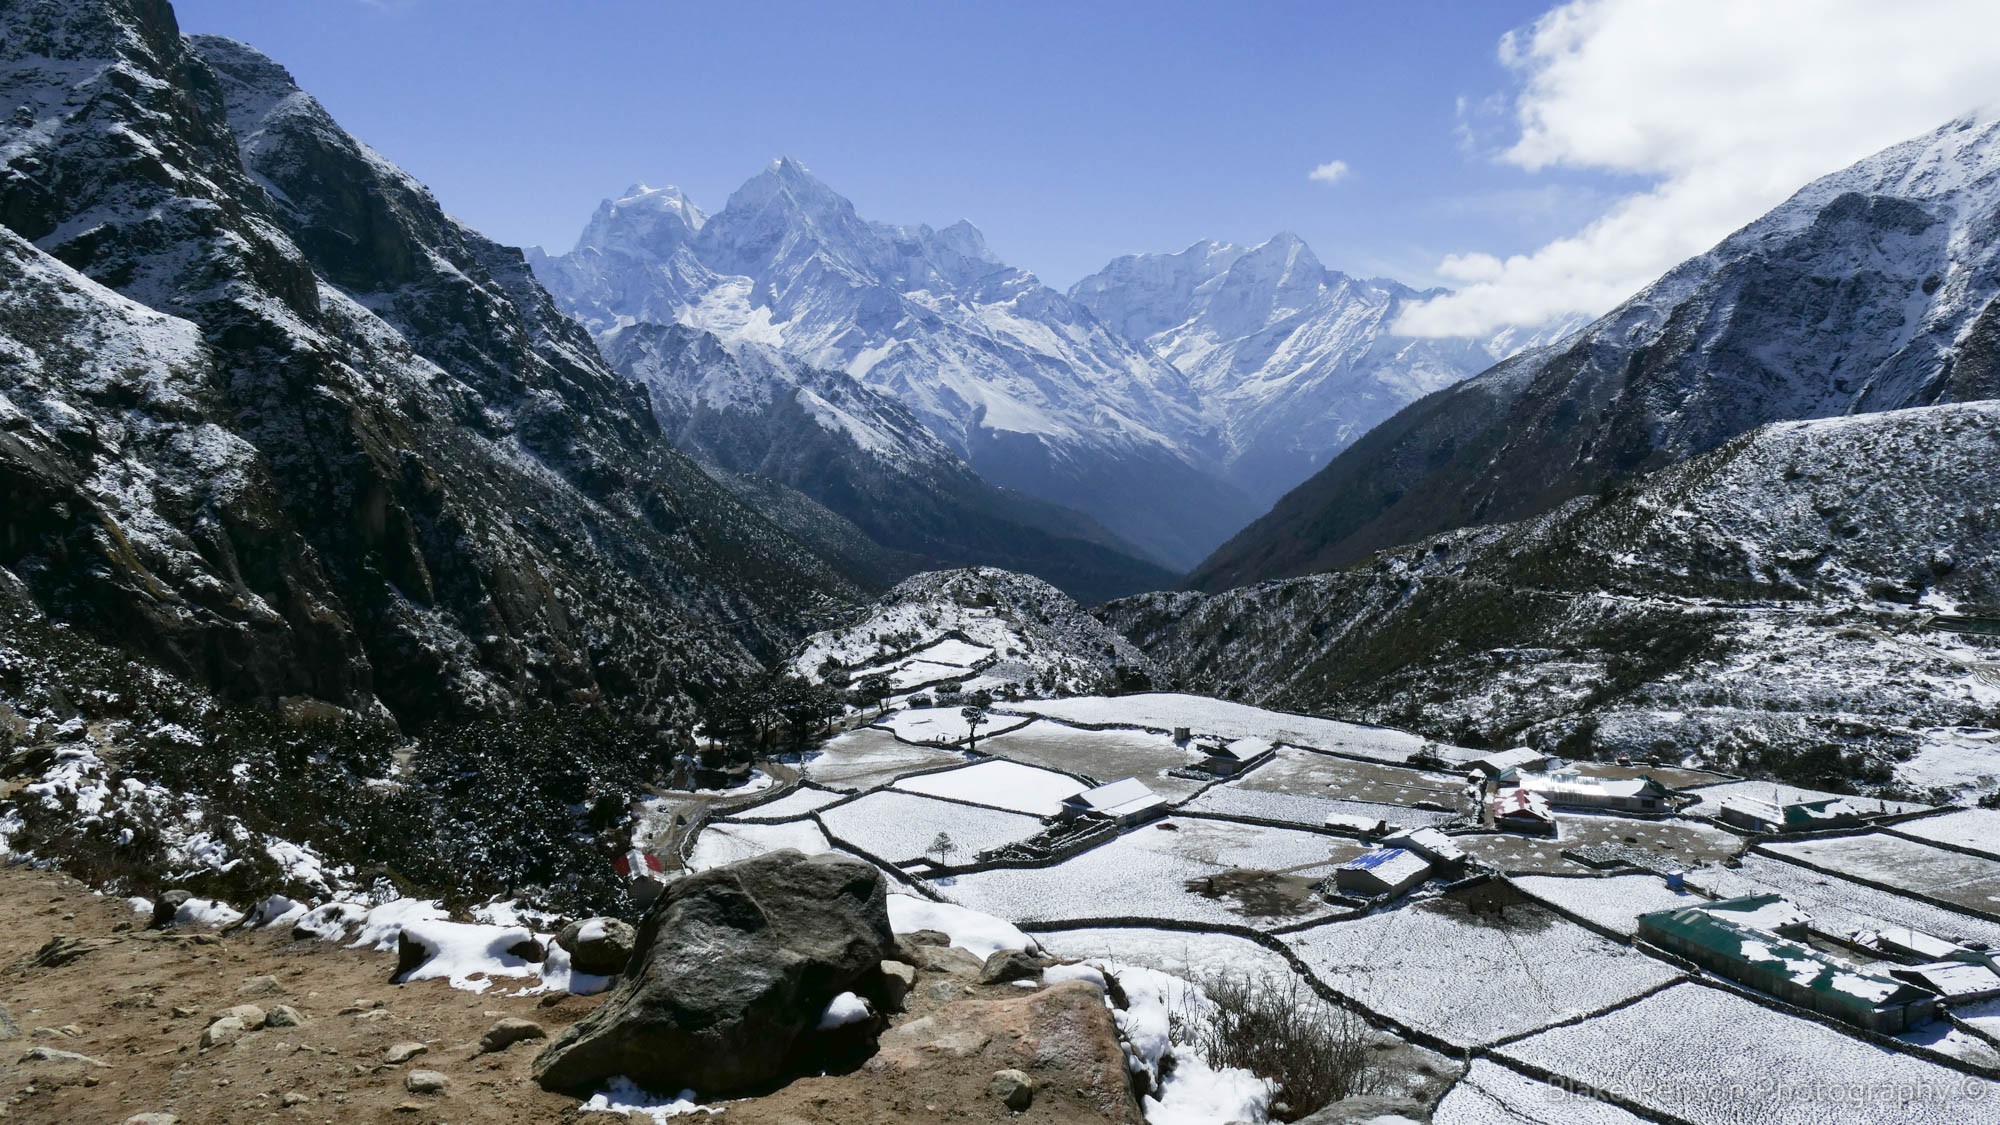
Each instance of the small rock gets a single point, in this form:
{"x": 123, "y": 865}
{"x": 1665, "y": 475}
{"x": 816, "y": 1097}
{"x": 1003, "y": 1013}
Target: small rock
{"x": 250, "y": 1014}
{"x": 1015, "y": 1089}
{"x": 599, "y": 946}
{"x": 284, "y": 1015}
{"x": 531, "y": 951}
{"x": 508, "y": 1032}
{"x": 258, "y": 986}
{"x": 926, "y": 937}
{"x": 410, "y": 1107}
{"x": 185, "y": 1013}
{"x": 166, "y": 906}
{"x": 8, "y": 1028}
{"x": 228, "y": 1029}
{"x": 897, "y": 981}
{"x": 425, "y": 1082}
{"x": 152, "y": 1119}
{"x": 374, "y": 1014}
{"x": 66, "y": 1031}
{"x": 1009, "y": 965}
{"x": 51, "y": 1055}
{"x": 400, "y": 1053}
{"x": 292, "y": 1098}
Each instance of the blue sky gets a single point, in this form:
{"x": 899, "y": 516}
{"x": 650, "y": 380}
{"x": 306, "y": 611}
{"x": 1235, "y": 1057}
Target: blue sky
{"x": 1069, "y": 133}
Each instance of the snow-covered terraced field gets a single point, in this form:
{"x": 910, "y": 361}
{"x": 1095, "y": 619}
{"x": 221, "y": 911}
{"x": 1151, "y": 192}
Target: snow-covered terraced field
{"x": 864, "y": 759}
{"x": 1701, "y": 1055}
{"x": 798, "y": 802}
{"x": 1613, "y": 901}
{"x": 1975, "y": 829}
{"x": 1292, "y": 808}
{"x": 1204, "y": 716}
{"x": 1106, "y": 755}
{"x": 723, "y": 843}
{"x": 1191, "y": 955}
{"x": 1668, "y": 844}
{"x": 1491, "y": 1094}
{"x": 943, "y": 725}
{"x": 999, "y": 784}
{"x": 1143, "y": 874}
{"x": 1839, "y": 905}
{"x": 1969, "y": 881}
{"x": 899, "y": 827}
{"x": 1308, "y": 773}
{"x": 1472, "y": 978}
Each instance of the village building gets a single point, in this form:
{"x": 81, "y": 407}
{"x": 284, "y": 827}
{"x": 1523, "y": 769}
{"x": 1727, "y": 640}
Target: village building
{"x": 1524, "y": 811}
{"x": 1384, "y": 871}
{"x": 1502, "y": 762}
{"x": 1227, "y": 759}
{"x": 1954, "y": 982}
{"x": 1435, "y": 847}
{"x": 1722, "y": 938}
{"x": 645, "y": 876}
{"x": 1908, "y": 944}
{"x": 1356, "y": 823}
{"x": 1791, "y": 816}
{"x": 1566, "y": 788}
{"x": 1126, "y": 802}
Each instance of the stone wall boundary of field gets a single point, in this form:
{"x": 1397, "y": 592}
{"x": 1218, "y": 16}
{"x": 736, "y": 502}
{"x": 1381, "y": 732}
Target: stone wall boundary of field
{"x": 1598, "y": 928}
{"x": 904, "y": 654}
{"x": 957, "y": 747}
{"x": 908, "y": 880}
{"x": 1079, "y": 724}
{"x": 1919, "y": 896}
{"x": 982, "y": 866}
{"x": 1564, "y": 1082}
{"x": 1275, "y": 945}
{"x": 741, "y": 815}
{"x": 1699, "y": 976}
{"x": 1942, "y": 845}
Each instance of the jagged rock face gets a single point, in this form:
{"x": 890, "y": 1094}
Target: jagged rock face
{"x": 752, "y": 412}
{"x": 346, "y": 449}
{"x": 732, "y": 969}
{"x": 1298, "y": 359}
{"x": 1871, "y": 289}
{"x": 1022, "y": 382}
{"x": 1720, "y": 608}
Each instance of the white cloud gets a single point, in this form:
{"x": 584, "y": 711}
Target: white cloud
{"x": 1728, "y": 107}
{"x": 1331, "y": 172}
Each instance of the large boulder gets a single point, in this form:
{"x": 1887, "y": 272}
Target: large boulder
{"x": 733, "y": 969}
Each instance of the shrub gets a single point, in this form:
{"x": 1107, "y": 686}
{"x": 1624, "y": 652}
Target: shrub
{"x": 1313, "y": 1052}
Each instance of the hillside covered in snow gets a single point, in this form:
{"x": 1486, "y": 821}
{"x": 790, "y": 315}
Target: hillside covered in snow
{"x": 1871, "y": 289}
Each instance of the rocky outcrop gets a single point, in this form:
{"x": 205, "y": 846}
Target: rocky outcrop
{"x": 734, "y": 969}
{"x": 1060, "y": 1040}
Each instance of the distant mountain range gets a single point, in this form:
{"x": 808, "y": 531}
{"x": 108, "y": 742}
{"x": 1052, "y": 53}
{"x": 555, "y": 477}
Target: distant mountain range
{"x": 1169, "y": 398}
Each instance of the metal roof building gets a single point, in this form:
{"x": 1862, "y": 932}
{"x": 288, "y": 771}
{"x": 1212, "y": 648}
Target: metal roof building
{"x": 1126, "y": 801}
{"x": 1228, "y": 758}
{"x": 1791, "y": 816}
{"x": 1519, "y": 758}
{"x": 1715, "y": 937}
{"x": 1429, "y": 843}
{"x": 1384, "y": 871}
{"x": 1570, "y": 789}
{"x": 1520, "y": 810}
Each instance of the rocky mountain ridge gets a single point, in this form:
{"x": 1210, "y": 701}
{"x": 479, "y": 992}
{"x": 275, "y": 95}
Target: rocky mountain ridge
{"x": 1871, "y": 289}
{"x": 1014, "y": 377}
{"x": 287, "y": 429}
{"x": 1299, "y": 360}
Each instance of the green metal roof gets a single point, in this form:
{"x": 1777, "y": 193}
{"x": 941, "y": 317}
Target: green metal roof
{"x": 1763, "y": 952}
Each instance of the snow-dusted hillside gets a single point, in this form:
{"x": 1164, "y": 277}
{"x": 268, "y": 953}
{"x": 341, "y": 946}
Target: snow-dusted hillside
{"x": 1766, "y": 607}
{"x": 1297, "y": 359}
{"x": 758, "y": 415}
{"x": 1870, "y": 289}
{"x": 985, "y": 629}
{"x": 290, "y": 462}
{"x": 1019, "y": 380}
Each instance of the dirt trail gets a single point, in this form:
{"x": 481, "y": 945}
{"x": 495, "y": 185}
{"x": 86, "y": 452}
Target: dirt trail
{"x": 122, "y": 1006}
{"x": 137, "y": 1002}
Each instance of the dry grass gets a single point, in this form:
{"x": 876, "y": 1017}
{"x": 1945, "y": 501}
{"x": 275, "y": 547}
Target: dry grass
{"x": 1313, "y": 1052}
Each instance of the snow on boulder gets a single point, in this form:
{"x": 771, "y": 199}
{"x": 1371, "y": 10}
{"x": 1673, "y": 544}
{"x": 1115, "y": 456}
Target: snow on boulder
{"x": 981, "y": 935}
{"x": 733, "y": 970}
{"x": 467, "y": 954}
